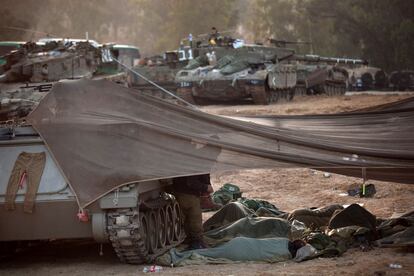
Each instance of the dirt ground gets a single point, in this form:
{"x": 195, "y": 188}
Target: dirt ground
{"x": 288, "y": 189}
{"x": 309, "y": 105}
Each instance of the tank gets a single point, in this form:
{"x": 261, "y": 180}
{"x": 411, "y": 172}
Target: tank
{"x": 140, "y": 220}
{"x": 321, "y": 79}
{"x": 254, "y": 72}
{"x": 159, "y": 69}
{"x": 32, "y": 70}
{"x": 381, "y": 80}
{"x": 50, "y": 62}
{"x": 323, "y": 75}
{"x": 402, "y": 80}
{"x": 264, "y": 74}
{"x": 162, "y": 69}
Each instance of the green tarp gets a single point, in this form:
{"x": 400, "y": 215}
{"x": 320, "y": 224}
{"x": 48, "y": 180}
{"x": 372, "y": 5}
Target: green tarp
{"x": 240, "y": 249}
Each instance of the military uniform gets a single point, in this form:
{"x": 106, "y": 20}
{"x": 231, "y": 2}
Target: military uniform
{"x": 188, "y": 190}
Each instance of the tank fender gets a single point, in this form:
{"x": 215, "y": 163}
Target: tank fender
{"x": 125, "y": 197}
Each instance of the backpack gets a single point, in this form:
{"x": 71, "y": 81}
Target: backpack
{"x": 226, "y": 194}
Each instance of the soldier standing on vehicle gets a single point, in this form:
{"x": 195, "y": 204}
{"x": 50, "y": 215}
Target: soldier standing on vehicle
{"x": 188, "y": 190}
{"x": 214, "y": 36}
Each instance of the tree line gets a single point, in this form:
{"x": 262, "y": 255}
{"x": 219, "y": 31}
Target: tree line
{"x": 381, "y": 31}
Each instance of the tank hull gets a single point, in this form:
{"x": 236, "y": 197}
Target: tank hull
{"x": 264, "y": 86}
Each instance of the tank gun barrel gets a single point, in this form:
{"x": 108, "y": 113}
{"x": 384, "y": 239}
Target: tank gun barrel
{"x": 316, "y": 58}
{"x": 221, "y": 32}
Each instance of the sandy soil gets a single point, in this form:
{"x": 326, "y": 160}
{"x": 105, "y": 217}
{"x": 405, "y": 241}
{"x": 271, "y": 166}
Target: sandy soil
{"x": 308, "y": 105}
{"x": 288, "y": 189}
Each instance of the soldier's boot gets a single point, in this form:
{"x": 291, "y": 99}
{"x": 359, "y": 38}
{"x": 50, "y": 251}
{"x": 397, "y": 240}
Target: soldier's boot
{"x": 207, "y": 204}
{"x": 197, "y": 244}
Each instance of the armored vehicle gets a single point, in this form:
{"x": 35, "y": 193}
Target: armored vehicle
{"x": 163, "y": 69}
{"x": 402, "y": 80}
{"x": 381, "y": 80}
{"x": 51, "y": 62}
{"x": 321, "y": 79}
{"x": 323, "y": 75}
{"x": 265, "y": 74}
{"x": 31, "y": 70}
{"x": 140, "y": 220}
{"x": 251, "y": 71}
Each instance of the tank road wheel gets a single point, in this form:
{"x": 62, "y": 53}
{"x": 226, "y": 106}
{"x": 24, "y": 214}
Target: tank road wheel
{"x": 169, "y": 224}
{"x": 300, "y": 91}
{"x": 290, "y": 94}
{"x": 177, "y": 221}
{"x": 275, "y": 96}
{"x": 282, "y": 94}
{"x": 141, "y": 236}
{"x": 326, "y": 90}
{"x": 143, "y": 232}
{"x": 186, "y": 94}
{"x": 334, "y": 90}
{"x": 343, "y": 90}
{"x": 152, "y": 235}
{"x": 304, "y": 91}
{"x": 338, "y": 90}
{"x": 330, "y": 90}
{"x": 162, "y": 231}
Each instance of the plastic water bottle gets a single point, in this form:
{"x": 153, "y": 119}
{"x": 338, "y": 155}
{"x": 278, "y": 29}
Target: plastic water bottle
{"x": 152, "y": 268}
{"x": 395, "y": 266}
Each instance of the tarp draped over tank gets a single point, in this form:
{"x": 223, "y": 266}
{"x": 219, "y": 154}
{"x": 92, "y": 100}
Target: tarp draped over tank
{"x": 104, "y": 136}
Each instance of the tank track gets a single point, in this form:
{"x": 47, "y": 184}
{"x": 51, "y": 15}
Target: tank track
{"x": 334, "y": 89}
{"x": 300, "y": 90}
{"x": 139, "y": 235}
{"x": 264, "y": 96}
{"x": 186, "y": 95}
